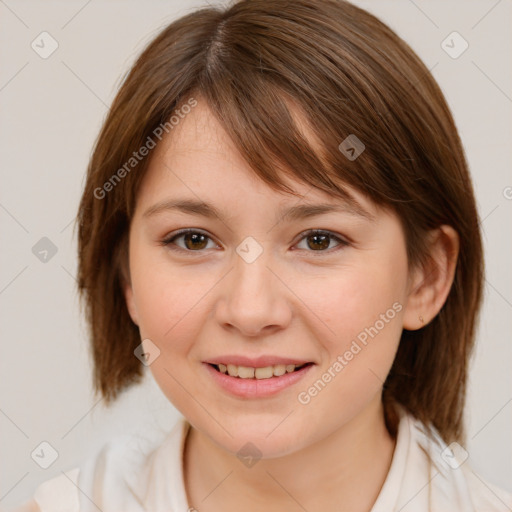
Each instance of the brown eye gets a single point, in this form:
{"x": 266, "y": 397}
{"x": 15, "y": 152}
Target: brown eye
{"x": 195, "y": 241}
{"x": 191, "y": 241}
{"x": 318, "y": 242}
{"x": 321, "y": 241}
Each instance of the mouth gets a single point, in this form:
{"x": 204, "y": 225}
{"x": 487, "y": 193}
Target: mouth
{"x": 256, "y": 378}
{"x": 257, "y": 373}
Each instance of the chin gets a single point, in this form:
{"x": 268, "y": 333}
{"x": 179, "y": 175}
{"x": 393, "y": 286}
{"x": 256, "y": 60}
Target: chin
{"x": 267, "y": 437}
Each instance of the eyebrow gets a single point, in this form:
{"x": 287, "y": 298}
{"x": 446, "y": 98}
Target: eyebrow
{"x": 298, "y": 212}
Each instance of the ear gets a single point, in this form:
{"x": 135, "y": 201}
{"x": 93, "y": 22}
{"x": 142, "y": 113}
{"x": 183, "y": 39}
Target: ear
{"x": 430, "y": 282}
{"x": 130, "y": 303}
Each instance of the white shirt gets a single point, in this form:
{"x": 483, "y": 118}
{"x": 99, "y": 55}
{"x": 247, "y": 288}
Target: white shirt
{"x": 127, "y": 476}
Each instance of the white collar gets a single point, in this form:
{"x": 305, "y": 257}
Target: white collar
{"x": 127, "y": 476}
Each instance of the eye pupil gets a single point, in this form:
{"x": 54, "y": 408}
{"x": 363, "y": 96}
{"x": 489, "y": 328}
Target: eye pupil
{"x": 195, "y": 241}
{"x": 320, "y": 241}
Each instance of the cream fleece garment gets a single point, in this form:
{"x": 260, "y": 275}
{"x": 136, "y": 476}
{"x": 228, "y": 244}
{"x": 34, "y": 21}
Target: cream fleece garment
{"x": 125, "y": 475}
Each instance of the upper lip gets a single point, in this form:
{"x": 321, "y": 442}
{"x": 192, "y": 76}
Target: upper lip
{"x": 256, "y": 362}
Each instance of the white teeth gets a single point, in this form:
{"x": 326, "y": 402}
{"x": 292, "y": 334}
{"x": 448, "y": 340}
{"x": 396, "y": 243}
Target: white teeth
{"x": 245, "y": 372}
{"x": 233, "y": 370}
{"x": 279, "y": 369}
{"x": 264, "y": 373}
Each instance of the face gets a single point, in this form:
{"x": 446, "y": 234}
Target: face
{"x": 303, "y": 308}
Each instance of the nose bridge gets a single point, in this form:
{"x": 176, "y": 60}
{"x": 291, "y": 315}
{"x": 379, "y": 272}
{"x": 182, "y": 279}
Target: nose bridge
{"x": 252, "y": 300}
{"x": 252, "y": 278}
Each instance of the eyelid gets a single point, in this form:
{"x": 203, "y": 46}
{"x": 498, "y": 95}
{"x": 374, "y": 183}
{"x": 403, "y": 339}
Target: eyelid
{"x": 343, "y": 241}
{"x": 167, "y": 241}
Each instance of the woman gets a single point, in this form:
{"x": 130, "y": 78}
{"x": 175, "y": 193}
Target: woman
{"x": 279, "y": 221}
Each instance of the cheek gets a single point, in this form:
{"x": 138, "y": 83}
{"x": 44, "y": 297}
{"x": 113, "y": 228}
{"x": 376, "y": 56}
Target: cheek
{"x": 166, "y": 297}
{"x": 355, "y": 298}
{"x": 363, "y": 307}
{"x": 171, "y": 309}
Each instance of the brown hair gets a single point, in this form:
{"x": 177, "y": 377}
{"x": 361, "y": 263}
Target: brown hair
{"x": 346, "y": 73}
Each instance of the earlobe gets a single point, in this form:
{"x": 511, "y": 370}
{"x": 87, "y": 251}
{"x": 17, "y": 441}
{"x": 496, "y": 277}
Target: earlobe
{"x": 130, "y": 303}
{"x": 431, "y": 282}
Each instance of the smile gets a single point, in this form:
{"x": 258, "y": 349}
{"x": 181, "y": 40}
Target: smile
{"x": 266, "y": 372}
{"x": 255, "y": 378}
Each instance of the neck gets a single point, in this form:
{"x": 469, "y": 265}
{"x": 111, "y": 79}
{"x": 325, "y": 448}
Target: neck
{"x": 348, "y": 467}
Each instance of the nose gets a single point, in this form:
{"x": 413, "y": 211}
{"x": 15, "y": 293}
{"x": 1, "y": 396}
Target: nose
{"x": 253, "y": 300}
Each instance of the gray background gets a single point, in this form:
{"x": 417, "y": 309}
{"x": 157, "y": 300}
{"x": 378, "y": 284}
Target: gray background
{"x": 51, "y": 110}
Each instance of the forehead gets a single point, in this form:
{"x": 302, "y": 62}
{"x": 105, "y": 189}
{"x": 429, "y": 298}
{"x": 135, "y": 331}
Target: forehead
{"x": 200, "y": 150}
{"x": 197, "y": 159}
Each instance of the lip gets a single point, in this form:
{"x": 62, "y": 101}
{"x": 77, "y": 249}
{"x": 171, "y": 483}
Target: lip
{"x": 256, "y": 388}
{"x": 256, "y": 362}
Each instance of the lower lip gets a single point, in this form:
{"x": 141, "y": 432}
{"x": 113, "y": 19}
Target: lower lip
{"x": 256, "y": 388}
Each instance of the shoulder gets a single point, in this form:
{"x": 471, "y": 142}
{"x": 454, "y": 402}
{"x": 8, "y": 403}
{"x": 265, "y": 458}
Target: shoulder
{"x": 121, "y": 473}
{"x": 452, "y": 480}
{"x": 58, "y": 494}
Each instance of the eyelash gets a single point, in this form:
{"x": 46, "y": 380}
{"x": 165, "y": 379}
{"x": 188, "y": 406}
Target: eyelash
{"x": 168, "y": 242}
